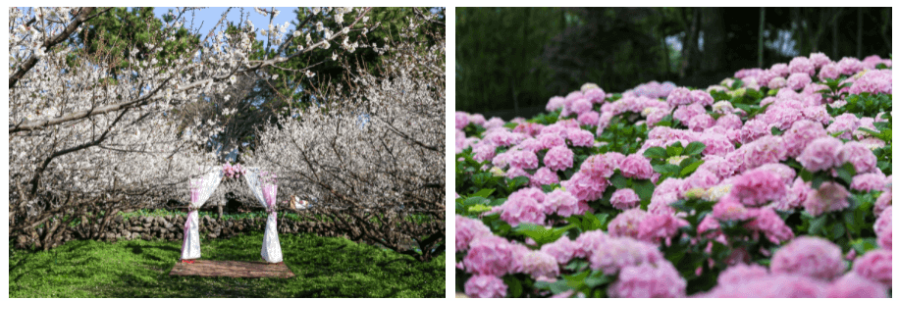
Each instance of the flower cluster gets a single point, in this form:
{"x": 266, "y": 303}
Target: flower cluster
{"x": 783, "y": 166}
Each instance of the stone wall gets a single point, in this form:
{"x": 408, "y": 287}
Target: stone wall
{"x": 172, "y": 228}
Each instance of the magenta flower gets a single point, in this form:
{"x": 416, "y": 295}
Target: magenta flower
{"x": 648, "y": 281}
{"x": 875, "y": 265}
{"x": 757, "y": 187}
{"x": 485, "y": 286}
{"x": 829, "y": 197}
{"x": 809, "y": 256}
{"x": 821, "y": 154}
{"x": 624, "y": 199}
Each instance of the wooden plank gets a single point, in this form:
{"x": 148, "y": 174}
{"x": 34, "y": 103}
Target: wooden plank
{"x": 210, "y": 268}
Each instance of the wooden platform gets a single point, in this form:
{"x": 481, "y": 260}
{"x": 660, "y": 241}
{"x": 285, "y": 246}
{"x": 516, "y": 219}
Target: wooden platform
{"x": 208, "y": 268}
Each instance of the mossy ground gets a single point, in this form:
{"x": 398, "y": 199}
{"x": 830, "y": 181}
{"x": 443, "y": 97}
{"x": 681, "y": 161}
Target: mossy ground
{"x": 325, "y": 267}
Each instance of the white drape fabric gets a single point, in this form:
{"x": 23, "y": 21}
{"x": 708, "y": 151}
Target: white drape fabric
{"x": 201, "y": 190}
{"x": 266, "y": 194}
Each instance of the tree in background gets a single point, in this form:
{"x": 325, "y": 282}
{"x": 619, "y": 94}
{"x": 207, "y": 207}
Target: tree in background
{"x": 513, "y": 59}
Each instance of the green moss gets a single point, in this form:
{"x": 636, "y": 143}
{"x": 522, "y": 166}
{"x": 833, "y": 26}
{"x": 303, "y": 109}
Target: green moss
{"x": 325, "y": 267}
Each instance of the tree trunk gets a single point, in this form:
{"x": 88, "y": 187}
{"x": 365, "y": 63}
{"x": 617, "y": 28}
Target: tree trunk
{"x": 714, "y": 39}
{"x": 760, "y": 30}
{"x": 835, "y": 34}
{"x": 689, "y": 46}
{"x": 859, "y": 34}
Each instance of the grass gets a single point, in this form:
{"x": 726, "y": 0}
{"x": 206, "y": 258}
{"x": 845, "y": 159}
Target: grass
{"x": 325, "y": 267}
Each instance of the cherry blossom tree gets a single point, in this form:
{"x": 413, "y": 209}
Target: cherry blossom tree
{"x": 372, "y": 159}
{"x": 87, "y": 141}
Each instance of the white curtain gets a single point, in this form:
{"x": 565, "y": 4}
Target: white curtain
{"x": 201, "y": 190}
{"x": 272, "y": 249}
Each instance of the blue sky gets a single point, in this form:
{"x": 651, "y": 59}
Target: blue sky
{"x": 210, "y": 16}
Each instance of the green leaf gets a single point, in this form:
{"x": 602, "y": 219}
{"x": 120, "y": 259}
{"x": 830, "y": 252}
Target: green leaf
{"x": 864, "y": 245}
{"x": 655, "y": 153}
{"x": 514, "y": 287}
{"x": 694, "y": 148}
{"x": 846, "y": 172}
{"x": 690, "y": 168}
{"x": 618, "y": 180}
{"x": 816, "y": 225}
{"x": 674, "y": 150}
{"x": 483, "y": 193}
{"x": 776, "y": 131}
{"x": 644, "y": 188}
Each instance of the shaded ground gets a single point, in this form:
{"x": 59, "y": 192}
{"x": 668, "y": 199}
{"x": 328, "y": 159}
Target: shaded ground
{"x": 325, "y": 267}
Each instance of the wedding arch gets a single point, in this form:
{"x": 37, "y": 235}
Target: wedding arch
{"x": 262, "y": 185}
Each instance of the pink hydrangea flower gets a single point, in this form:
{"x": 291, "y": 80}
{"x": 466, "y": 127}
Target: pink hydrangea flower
{"x": 461, "y": 120}
{"x": 555, "y": 103}
{"x": 588, "y": 242}
{"x": 589, "y": 118}
{"x": 817, "y": 113}
{"x": 559, "y": 158}
{"x": 701, "y": 178}
{"x": 757, "y": 187}
{"x": 821, "y": 154}
{"x": 468, "y": 229}
{"x": 883, "y": 202}
{"x": 655, "y": 227}
{"x": 766, "y": 149}
{"x": 859, "y": 155}
{"x": 551, "y": 140}
{"x": 685, "y": 113}
{"x": 741, "y": 273}
{"x": 493, "y": 255}
{"x": 883, "y": 229}
{"x": 846, "y": 123}
{"x": 700, "y": 122}
{"x": 830, "y": 71}
{"x": 801, "y": 65}
{"x": 771, "y": 286}
{"x": 777, "y": 83}
{"x": 850, "y": 66}
{"x": 543, "y": 176}
{"x": 523, "y": 159}
{"x": 853, "y": 286}
{"x": 767, "y": 222}
{"x": 599, "y": 166}
{"x": 624, "y": 199}
{"x": 868, "y": 182}
{"x": 483, "y": 152}
{"x": 585, "y": 187}
{"x": 581, "y": 106}
{"x": 809, "y": 256}
{"x": 562, "y": 250}
{"x": 595, "y": 95}
{"x": 540, "y": 265}
{"x": 648, "y": 281}
{"x": 729, "y": 209}
{"x": 753, "y": 129}
{"x": 485, "y": 286}
{"x": 625, "y": 224}
{"x": 781, "y": 117}
{"x": 798, "y": 81}
{"x": 614, "y": 253}
{"x": 580, "y": 137}
{"x": 701, "y": 97}
{"x": 819, "y": 59}
{"x": 561, "y": 202}
{"x": 800, "y": 134}
{"x": 875, "y": 265}
{"x": 729, "y": 121}
{"x": 829, "y": 197}
{"x": 522, "y": 208}
{"x": 636, "y": 166}
{"x": 679, "y": 96}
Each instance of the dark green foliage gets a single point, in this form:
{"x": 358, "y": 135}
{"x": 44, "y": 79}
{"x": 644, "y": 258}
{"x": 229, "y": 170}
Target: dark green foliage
{"x": 325, "y": 267}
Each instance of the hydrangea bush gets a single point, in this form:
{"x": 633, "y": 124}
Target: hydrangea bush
{"x": 774, "y": 183}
